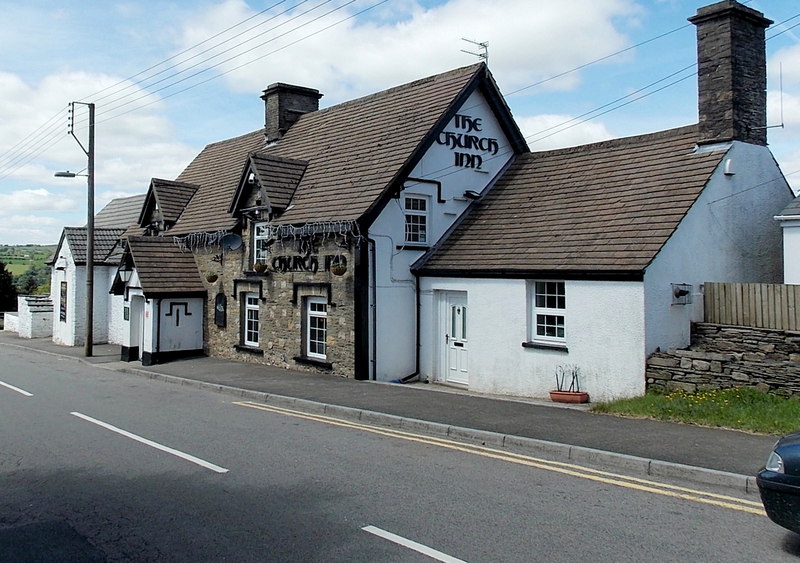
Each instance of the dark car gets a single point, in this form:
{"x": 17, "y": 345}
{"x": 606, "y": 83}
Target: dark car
{"x": 779, "y": 483}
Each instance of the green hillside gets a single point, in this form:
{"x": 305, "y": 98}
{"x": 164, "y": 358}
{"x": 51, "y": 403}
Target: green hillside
{"x": 20, "y": 258}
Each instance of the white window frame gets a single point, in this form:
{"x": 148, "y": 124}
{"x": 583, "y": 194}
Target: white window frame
{"x": 316, "y": 329}
{"x": 416, "y": 221}
{"x": 251, "y": 315}
{"x": 260, "y": 237}
{"x": 548, "y": 312}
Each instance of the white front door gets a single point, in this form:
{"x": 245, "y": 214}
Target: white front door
{"x": 455, "y": 325}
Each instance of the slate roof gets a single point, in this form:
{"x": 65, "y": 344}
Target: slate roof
{"x": 216, "y": 172}
{"x": 104, "y": 242}
{"x": 169, "y": 196}
{"x": 162, "y": 268}
{"x": 119, "y": 213}
{"x": 603, "y": 209}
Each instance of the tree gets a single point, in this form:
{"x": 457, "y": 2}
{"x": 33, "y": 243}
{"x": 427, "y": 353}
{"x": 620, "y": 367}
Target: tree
{"x": 8, "y": 293}
{"x": 36, "y": 280}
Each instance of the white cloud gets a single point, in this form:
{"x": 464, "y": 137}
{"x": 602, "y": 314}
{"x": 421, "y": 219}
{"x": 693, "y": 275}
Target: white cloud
{"x": 34, "y": 200}
{"x": 352, "y": 58}
{"x": 545, "y": 132}
{"x": 30, "y": 229}
{"x": 130, "y": 147}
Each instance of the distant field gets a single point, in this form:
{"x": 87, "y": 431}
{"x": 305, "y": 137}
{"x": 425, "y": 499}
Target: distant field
{"x": 18, "y": 259}
{"x": 17, "y": 269}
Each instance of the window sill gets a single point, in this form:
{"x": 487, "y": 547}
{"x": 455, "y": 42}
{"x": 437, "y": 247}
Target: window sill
{"x": 546, "y": 346}
{"x": 313, "y": 362}
{"x": 422, "y": 247}
{"x": 249, "y": 350}
{"x": 254, "y": 274}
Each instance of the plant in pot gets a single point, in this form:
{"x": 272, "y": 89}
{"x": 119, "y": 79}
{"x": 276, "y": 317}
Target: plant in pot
{"x": 338, "y": 265}
{"x": 211, "y": 277}
{"x": 568, "y": 389}
{"x": 260, "y": 267}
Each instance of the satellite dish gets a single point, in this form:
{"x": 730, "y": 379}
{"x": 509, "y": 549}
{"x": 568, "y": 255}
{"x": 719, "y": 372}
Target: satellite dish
{"x": 231, "y": 241}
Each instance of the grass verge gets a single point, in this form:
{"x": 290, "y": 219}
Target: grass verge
{"x": 741, "y": 409}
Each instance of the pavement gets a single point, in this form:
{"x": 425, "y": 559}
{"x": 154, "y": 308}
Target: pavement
{"x": 572, "y": 434}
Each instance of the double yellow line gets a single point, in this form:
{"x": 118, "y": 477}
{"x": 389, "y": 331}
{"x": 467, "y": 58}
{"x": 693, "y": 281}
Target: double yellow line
{"x": 572, "y": 470}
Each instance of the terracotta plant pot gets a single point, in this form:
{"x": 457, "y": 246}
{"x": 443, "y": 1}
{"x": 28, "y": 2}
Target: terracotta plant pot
{"x": 569, "y": 396}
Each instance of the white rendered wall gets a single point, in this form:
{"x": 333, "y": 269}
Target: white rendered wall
{"x": 728, "y": 235}
{"x": 165, "y": 325}
{"x": 64, "y": 331}
{"x": 11, "y": 322}
{"x": 73, "y": 331}
{"x": 604, "y": 335}
{"x": 33, "y": 322}
{"x": 393, "y": 286}
{"x": 132, "y": 329}
{"x": 181, "y": 324}
{"x": 115, "y": 311}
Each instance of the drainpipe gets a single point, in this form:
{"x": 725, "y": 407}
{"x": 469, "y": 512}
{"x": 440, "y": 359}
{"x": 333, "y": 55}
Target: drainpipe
{"x": 157, "y": 339}
{"x": 373, "y": 280}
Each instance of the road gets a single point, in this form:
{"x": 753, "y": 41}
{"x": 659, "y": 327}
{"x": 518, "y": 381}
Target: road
{"x": 100, "y": 466}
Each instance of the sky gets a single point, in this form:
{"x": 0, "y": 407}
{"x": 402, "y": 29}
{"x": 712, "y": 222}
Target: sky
{"x": 169, "y": 77}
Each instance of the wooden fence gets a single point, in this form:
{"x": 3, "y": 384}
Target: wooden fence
{"x": 758, "y": 305}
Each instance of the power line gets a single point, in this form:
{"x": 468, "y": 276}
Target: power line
{"x": 220, "y": 63}
{"x": 257, "y": 58}
{"x": 196, "y": 55}
{"x": 38, "y": 148}
{"x": 175, "y": 56}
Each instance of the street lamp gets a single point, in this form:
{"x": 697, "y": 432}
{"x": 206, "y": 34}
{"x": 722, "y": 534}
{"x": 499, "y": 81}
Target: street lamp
{"x": 89, "y": 151}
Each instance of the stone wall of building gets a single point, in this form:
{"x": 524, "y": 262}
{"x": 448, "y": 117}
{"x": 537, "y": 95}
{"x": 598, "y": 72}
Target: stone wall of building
{"x": 722, "y": 357}
{"x": 292, "y": 274}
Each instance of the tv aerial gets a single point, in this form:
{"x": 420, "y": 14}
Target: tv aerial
{"x": 484, "y": 45}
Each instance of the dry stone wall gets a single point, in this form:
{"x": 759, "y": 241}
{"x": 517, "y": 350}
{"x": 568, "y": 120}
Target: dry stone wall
{"x": 722, "y": 357}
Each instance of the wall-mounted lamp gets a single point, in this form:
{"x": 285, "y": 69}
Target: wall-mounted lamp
{"x": 681, "y": 293}
{"x": 125, "y": 273}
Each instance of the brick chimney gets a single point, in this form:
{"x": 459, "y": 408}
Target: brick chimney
{"x": 283, "y": 106}
{"x": 731, "y": 73}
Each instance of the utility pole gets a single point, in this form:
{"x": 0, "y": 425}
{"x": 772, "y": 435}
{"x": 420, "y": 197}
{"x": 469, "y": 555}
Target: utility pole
{"x": 89, "y": 151}
{"x": 88, "y": 349}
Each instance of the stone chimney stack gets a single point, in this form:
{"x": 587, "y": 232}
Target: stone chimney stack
{"x": 283, "y": 106}
{"x": 731, "y": 73}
